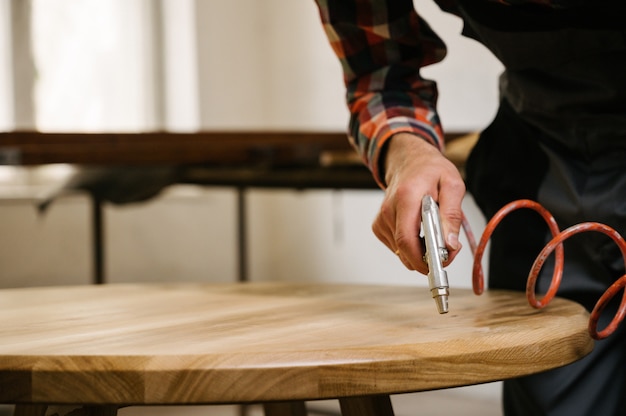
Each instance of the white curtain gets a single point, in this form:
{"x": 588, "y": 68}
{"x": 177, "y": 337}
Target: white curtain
{"x": 94, "y": 64}
{"x": 119, "y": 65}
{"x": 6, "y": 94}
{"x": 16, "y": 66}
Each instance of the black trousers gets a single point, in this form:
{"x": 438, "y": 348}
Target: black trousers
{"x": 514, "y": 160}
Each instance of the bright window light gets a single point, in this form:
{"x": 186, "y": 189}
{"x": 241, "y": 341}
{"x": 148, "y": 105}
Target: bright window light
{"x": 93, "y": 64}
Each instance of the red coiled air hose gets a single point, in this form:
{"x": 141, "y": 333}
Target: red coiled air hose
{"x": 558, "y": 237}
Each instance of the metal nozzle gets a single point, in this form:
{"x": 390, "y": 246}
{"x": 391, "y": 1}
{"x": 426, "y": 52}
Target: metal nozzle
{"x": 440, "y": 294}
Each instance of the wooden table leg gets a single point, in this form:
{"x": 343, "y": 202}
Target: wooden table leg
{"x": 97, "y": 238}
{"x": 295, "y": 408}
{"x": 366, "y": 406}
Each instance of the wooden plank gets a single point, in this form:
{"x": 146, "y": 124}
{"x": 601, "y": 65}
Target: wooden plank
{"x": 215, "y": 148}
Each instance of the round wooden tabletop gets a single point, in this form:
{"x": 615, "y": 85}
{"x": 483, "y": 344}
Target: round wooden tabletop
{"x": 255, "y": 342}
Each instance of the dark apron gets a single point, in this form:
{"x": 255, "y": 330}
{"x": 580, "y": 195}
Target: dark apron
{"x": 559, "y": 138}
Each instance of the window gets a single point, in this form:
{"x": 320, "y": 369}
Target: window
{"x": 6, "y": 111}
{"x": 93, "y": 64}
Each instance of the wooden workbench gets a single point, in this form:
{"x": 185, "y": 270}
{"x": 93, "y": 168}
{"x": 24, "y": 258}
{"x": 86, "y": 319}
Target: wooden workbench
{"x": 183, "y": 344}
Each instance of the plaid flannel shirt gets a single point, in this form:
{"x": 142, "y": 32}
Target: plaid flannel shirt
{"x": 381, "y": 45}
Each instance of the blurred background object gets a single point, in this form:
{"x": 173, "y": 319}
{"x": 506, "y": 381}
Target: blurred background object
{"x": 186, "y": 66}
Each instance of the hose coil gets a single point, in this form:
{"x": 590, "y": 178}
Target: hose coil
{"x": 555, "y": 245}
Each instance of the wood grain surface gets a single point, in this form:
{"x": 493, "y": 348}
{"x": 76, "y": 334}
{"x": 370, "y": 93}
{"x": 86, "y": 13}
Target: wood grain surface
{"x": 255, "y": 342}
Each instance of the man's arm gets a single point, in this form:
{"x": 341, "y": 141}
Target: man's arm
{"x": 382, "y": 44}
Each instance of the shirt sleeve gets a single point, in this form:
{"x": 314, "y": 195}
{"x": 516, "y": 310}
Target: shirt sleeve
{"x": 381, "y": 45}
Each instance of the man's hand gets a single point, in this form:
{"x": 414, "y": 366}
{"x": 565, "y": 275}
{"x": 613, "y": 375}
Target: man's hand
{"x": 414, "y": 168}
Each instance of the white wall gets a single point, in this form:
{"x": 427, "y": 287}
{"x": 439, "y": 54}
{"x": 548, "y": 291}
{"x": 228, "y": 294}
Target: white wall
{"x": 268, "y": 64}
{"x": 187, "y": 235}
